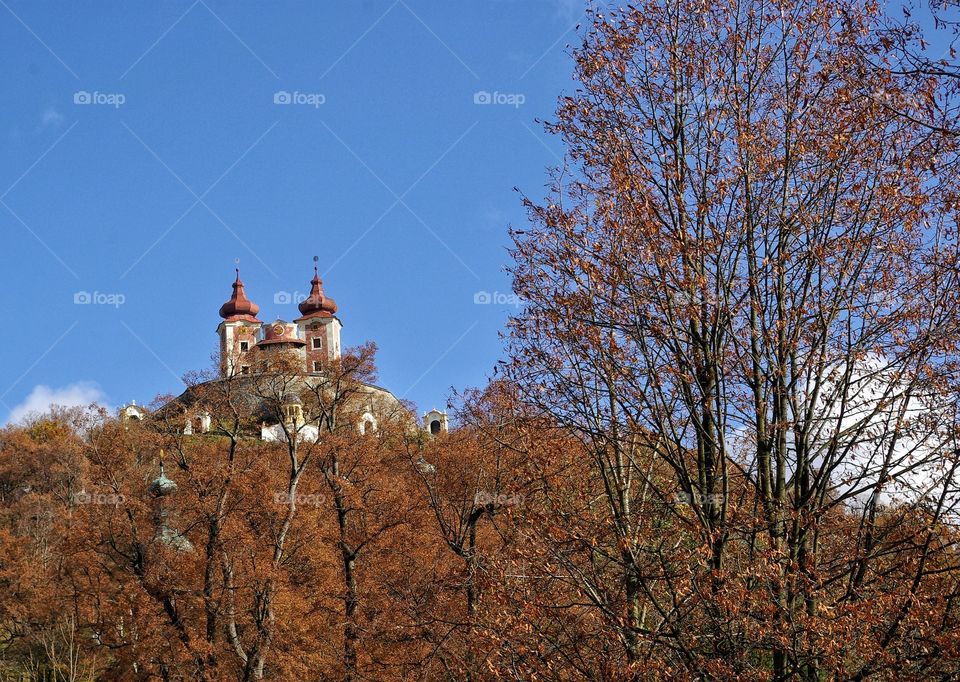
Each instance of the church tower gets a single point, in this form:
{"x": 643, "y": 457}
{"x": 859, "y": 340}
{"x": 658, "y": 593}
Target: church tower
{"x": 238, "y": 331}
{"x": 318, "y": 326}
{"x": 161, "y": 489}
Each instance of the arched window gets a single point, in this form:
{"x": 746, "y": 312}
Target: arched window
{"x": 368, "y": 424}
{"x": 435, "y": 427}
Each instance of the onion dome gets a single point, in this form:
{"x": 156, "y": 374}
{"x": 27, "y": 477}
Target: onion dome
{"x": 161, "y": 485}
{"x": 317, "y": 304}
{"x": 239, "y": 307}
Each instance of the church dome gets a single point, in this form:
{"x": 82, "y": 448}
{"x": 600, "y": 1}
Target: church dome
{"x": 161, "y": 485}
{"x": 317, "y": 304}
{"x": 239, "y": 307}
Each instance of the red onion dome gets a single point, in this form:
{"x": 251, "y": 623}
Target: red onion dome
{"x": 239, "y": 307}
{"x": 317, "y": 304}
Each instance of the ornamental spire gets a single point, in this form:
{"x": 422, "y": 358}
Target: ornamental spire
{"x": 239, "y": 307}
{"x": 317, "y": 304}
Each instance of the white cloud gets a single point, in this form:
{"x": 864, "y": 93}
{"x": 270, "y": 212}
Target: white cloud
{"x": 42, "y": 397}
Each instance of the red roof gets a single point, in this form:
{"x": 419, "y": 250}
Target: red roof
{"x": 277, "y": 333}
{"x": 239, "y": 307}
{"x": 317, "y": 304}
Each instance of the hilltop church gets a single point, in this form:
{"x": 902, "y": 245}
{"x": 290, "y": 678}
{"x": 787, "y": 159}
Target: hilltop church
{"x": 247, "y": 344}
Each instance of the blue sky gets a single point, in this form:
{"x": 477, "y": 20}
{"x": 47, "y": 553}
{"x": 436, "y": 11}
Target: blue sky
{"x": 146, "y": 146}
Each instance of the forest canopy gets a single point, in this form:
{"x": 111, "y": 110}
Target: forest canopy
{"x": 722, "y": 443}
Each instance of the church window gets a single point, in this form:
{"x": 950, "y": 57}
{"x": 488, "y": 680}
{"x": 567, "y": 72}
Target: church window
{"x": 317, "y": 366}
{"x": 317, "y": 343}
{"x": 244, "y": 369}
{"x": 244, "y": 346}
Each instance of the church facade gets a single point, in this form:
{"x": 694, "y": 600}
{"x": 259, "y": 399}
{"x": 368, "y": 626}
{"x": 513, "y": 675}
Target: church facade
{"x": 246, "y": 342}
{"x": 247, "y": 348}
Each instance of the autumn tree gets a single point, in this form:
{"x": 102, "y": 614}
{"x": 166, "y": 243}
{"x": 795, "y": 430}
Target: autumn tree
{"x": 322, "y": 483}
{"x": 258, "y": 527}
{"x": 43, "y": 486}
{"x": 472, "y": 499}
{"x": 741, "y": 296}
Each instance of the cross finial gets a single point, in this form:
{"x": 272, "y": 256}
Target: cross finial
{"x": 315, "y": 260}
